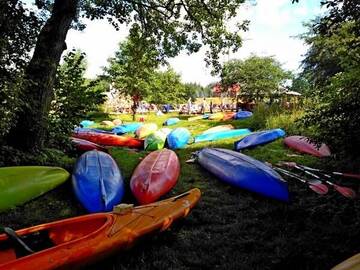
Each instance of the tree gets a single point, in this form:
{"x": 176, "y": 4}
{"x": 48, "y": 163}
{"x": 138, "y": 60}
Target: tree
{"x": 332, "y": 66}
{"x": 18, "y": 28}
{"x": 258, "y": 77}
{"x": 166, "y": 88}
{"x": 133, "y": 67}
{"x": 173, "y": 25}
{"x": 74, "y": 97}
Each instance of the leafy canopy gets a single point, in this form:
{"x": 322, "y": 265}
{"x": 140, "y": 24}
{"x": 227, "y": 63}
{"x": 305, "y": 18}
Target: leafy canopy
{"x": 332, "y": 65}
{"x": 258, "y": 77}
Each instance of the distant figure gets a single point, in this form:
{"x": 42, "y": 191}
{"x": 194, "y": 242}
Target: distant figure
{"x": 203, "y": 106}
{"x": 189, "y": 105}
{"x": 211, "y": 107}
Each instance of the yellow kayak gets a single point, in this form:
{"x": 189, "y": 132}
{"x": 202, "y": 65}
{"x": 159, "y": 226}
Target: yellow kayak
{"x": 353, "y": 263}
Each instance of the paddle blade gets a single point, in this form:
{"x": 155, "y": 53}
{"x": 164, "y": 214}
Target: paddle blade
{"x": 350, "y": 175}
{"x": 319, "y": 189}
{"x": 345, "y": 191}
{"x": 314, "y": 182}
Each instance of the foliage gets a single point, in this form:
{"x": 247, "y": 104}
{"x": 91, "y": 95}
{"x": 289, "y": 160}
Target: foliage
{"x": 18, "y": 28}
{"x": 258, "y": 77}
{"x": 132, "y": 68}
{"x": 301, "y": 85}
{"x": 166, "y": 88}
{"x": 74, "y": 97}
{"x": 332, "y": 64}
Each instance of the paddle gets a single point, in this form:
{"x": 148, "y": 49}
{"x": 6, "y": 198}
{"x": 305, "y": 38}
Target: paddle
{"x": 345, "y": 191}
{"x": 316, "y": 186}
{"x": 349, "y": 175}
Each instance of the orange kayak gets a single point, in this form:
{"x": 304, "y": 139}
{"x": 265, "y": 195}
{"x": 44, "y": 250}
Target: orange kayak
{"x": 80, "y": 241}
{"x": 228, "y": 116}
{"x": 110, "y": 139}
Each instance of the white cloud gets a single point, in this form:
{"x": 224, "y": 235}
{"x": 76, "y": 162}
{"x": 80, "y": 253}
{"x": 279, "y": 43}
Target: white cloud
{"x": 273, "y": 23}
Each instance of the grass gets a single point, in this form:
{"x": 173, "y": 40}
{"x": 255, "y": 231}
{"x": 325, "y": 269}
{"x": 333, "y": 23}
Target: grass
{"x": 230, "y": 228}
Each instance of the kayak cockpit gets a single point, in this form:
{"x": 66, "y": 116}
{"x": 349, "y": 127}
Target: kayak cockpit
{"x": 48, "y": 236}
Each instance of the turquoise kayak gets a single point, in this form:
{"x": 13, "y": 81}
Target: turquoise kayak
{"x": 221, "y": 135}
{"x": 178, "y": 138}
{"x": 126, "y": 128}
{"x": 171, "y": 121}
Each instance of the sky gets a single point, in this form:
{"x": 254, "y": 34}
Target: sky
{"x": 274, "y": 25}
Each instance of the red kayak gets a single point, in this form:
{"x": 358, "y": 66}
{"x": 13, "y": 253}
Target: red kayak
{"x": 79, "y": 241}
{"x": 303, "y": 145}
{"x": 110, "y": 139}
{"x": 156, "y": 175}
{"x": 84, "y": 145}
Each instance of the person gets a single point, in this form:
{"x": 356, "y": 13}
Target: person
{"x": 211, "y": 107}
{"x": 189, "y": 105}
{"x": 203, "y": 106}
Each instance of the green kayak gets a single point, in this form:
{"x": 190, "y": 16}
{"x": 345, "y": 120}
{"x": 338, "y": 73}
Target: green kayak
{"x": 156, "y": 140}
{"x": 23, "y": 183}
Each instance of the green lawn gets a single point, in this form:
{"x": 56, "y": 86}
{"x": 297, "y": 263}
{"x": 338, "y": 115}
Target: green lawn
{"x": 230, "y": 228}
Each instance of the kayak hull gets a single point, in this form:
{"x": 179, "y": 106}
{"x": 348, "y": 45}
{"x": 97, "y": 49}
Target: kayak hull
{"x": 126, "y": 128}
{"x": 228, "y": 116}
{"x": 178, "y": 138}
{"x": 171, "y": 121}
{"x": 221, "y": 135}
{"x": 216, "y": 116}
{"x": 353, "y": 263}
{"x": 145, "y": 130}
{"x": 84, "y": 145}
{"x": 155, "y": 176}
{"x": 218, "y": 128}
{"x": 97, "y": 181}
{"x": 155, "y": 141}
{"x": 242, "y": 115}
{"x": 21, "y": 184}
{"x": 303, "y": 145}
{"x": 110, "y": 139}
{"x": 80, "y": 241}
{"x": 259, "y": 138}
{"x": 243, "y": 172}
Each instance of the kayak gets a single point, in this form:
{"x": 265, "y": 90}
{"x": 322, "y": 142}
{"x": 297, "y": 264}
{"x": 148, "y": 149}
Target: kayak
{"x": 107, "y": 123}
{"x": 259, "y": 138}
{"x": 171, "y": 121}
{"x": 155, "y": 176}
{"x": 146, "y": 130}
{"x": 84, "y": 145}
{"x": 126, "y": 128}
{"x": 178, "y": 138}
{"x": 86, "y": 123}
{"x": 242, "y": 115}
{"x": 93, "y": 130}
{"x": 221, "y": 135}
{"x": 199, "y": 117}
{"x": 218, "y": 128}
{"x": 79, "y": 241}
{"x": 353, "y": 263}
{"x": 155, "y": 141}
{"x": 117, "y": 122}
{"x": 303, "y": 145}
{"x": 97, "y": 181}
{"x": 110, "y": 139}
{"x": 228, "y": 116}
{"x": 20, "y": 184}
{"x": 216, "y": 116}
{"x": 244, "y": 172}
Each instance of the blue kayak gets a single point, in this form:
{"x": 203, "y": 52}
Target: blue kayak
{"x": 86, "y": 123}
{"x": 178, "y": 138}
{"x": 171, "y": 121}
{"x": 242, "y": 115}
{"x": 220, "y": 135}
{"x": 79, "y": 130}
{"x": 259, "y": 138}
{"x": 244, "y": 172}
{"x": 126, "y": 128}
{"x": 97, "y": 181}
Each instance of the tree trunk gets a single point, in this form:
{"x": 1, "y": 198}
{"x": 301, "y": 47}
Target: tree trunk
{"x": 134, "y": 107}
{"x": 32, "y": 119}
